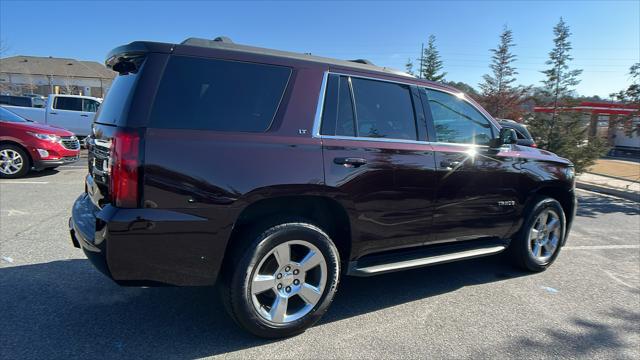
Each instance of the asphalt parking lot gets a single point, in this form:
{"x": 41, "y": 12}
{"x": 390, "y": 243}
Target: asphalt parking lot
{"x": 53, "y": 304}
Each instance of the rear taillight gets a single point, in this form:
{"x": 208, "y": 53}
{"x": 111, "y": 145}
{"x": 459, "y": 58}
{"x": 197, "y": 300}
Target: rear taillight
{"x": 534, "y": 145}
{"x": 125, "y": 151}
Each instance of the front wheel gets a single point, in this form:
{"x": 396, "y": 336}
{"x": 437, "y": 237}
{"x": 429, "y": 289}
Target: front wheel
{"x": 14, "y": 162}
{"x": 538, "y": 243}
{"x": 284, "y": 282}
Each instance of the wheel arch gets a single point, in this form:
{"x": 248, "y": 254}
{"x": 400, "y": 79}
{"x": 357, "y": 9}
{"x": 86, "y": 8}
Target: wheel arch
{"x": 323, "y": 211}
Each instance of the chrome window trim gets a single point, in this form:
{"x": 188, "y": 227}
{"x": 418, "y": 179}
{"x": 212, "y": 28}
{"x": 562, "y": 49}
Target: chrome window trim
{"x": 320, "y": 108}
{"x": 400, "y": 141}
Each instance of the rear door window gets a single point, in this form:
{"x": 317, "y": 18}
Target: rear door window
{"x": 89, "y": 105}
{"x": 383, "y": 109}
{"x": 209, "y": 94}
{"x": 67, "y": 103}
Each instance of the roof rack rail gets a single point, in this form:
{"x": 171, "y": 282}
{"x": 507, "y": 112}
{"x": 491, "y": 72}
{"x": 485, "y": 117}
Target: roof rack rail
{"x": 362, "y": 61}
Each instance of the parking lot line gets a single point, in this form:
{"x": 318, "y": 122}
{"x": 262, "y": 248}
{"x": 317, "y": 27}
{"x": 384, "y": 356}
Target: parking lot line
{"x": 22, "y": 182}
{"x": 601, "y": 247}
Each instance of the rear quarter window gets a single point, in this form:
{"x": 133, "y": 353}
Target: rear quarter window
{"x": 220, "y": 95}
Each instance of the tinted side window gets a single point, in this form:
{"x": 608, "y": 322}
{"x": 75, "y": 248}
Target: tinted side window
{"x": 337, "y": 116}
{"x": 456, "y": 121}
{"x": 89, "y": 105}
{"x": 383, "y": 110}
{"x": 68, "y": 103}
{"x": 197, "y": 93}
{"x": 15, "y": 100}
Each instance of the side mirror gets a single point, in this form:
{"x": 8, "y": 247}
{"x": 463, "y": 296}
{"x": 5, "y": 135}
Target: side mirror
{"x": 508, "y": 136}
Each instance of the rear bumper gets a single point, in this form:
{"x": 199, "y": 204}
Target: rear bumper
{"x": 148, "y": 246}
{"x": 83, "y": 239}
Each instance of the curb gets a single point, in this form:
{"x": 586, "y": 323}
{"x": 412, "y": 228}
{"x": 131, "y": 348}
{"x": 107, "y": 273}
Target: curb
{"x": 628, "y": 195}
{"x": 614, "y": 177}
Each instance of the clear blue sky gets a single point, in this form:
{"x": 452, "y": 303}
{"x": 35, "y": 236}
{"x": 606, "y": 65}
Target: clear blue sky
{"x": 606, "y": 34}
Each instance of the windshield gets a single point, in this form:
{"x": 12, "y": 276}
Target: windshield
{"x": 6, "y": 115}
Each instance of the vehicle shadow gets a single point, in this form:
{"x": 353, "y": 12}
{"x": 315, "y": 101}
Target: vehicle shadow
{"x": 67, "y": 309}
{"x": 592, "y": 206}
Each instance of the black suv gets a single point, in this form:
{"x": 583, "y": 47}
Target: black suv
{"x": 273, "y": 173}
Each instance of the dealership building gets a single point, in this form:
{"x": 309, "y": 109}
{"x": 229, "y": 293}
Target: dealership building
{"x": 48, "y": 75}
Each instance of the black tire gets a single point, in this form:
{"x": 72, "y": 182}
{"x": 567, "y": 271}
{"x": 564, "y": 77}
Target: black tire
{"x": 520, "y": 249}
{"x": 243, "y": 265}
{"x": 26, "y": 164}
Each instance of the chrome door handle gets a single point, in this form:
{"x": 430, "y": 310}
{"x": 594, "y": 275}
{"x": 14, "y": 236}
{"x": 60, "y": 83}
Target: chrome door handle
{"x": 350, "y": 162}
{"x": 450, "y": 164}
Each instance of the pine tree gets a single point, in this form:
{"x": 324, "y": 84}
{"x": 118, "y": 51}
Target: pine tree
{"x": 409, "y": 67}
{"x": 563, "y": 133}
{"x": 499, "y": 94}
{"x": 560, "y": 80}
{"x": 632, "y": 93}
{"x": 430, "y": 62}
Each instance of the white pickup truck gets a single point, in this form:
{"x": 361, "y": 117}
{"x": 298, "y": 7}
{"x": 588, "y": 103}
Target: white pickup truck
{"x": 72, "y": 112}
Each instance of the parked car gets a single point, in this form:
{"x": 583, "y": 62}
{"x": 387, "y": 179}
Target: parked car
{"x": 523, "y": 134}
{"x": 26, "y": 145}
{"x": 273, "y": 173}
{"x": 72, "y": 112}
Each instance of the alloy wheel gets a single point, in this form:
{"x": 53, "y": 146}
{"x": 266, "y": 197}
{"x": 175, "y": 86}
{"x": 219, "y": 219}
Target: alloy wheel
{"x": 544, "y": 236}
{"x": 288, "y": 281}
{"x": 11, "y": 162}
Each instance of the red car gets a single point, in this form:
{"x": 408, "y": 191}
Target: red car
{"x": 25, "y": 145}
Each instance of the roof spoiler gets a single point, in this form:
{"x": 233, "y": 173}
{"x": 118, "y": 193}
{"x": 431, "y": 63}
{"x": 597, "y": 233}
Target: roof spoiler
{"x": 121, "y": 58}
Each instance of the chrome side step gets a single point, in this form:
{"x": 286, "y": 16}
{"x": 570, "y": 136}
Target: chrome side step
{"x": 376, "y": 265}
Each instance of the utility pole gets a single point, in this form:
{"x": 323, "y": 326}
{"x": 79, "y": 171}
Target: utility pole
{"x": 421, "y": 60}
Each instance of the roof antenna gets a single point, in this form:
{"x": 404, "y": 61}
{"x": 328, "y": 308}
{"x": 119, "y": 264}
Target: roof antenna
{"x": 224, "y": 39}
{"x": 362, "y": 61}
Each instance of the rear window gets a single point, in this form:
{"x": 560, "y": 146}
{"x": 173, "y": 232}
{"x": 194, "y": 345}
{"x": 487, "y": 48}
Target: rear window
{"x": 112, "y": 109}
{"x": 219, "y": 95}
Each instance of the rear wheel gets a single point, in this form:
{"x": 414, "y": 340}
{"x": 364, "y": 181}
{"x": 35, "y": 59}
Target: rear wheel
{"x": 538, "y": 242}
{"x": 14, "y": 162}
{"x": 284, "y": 282}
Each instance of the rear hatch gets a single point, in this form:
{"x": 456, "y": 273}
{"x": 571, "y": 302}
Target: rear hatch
{"x": 115, "y": 144}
